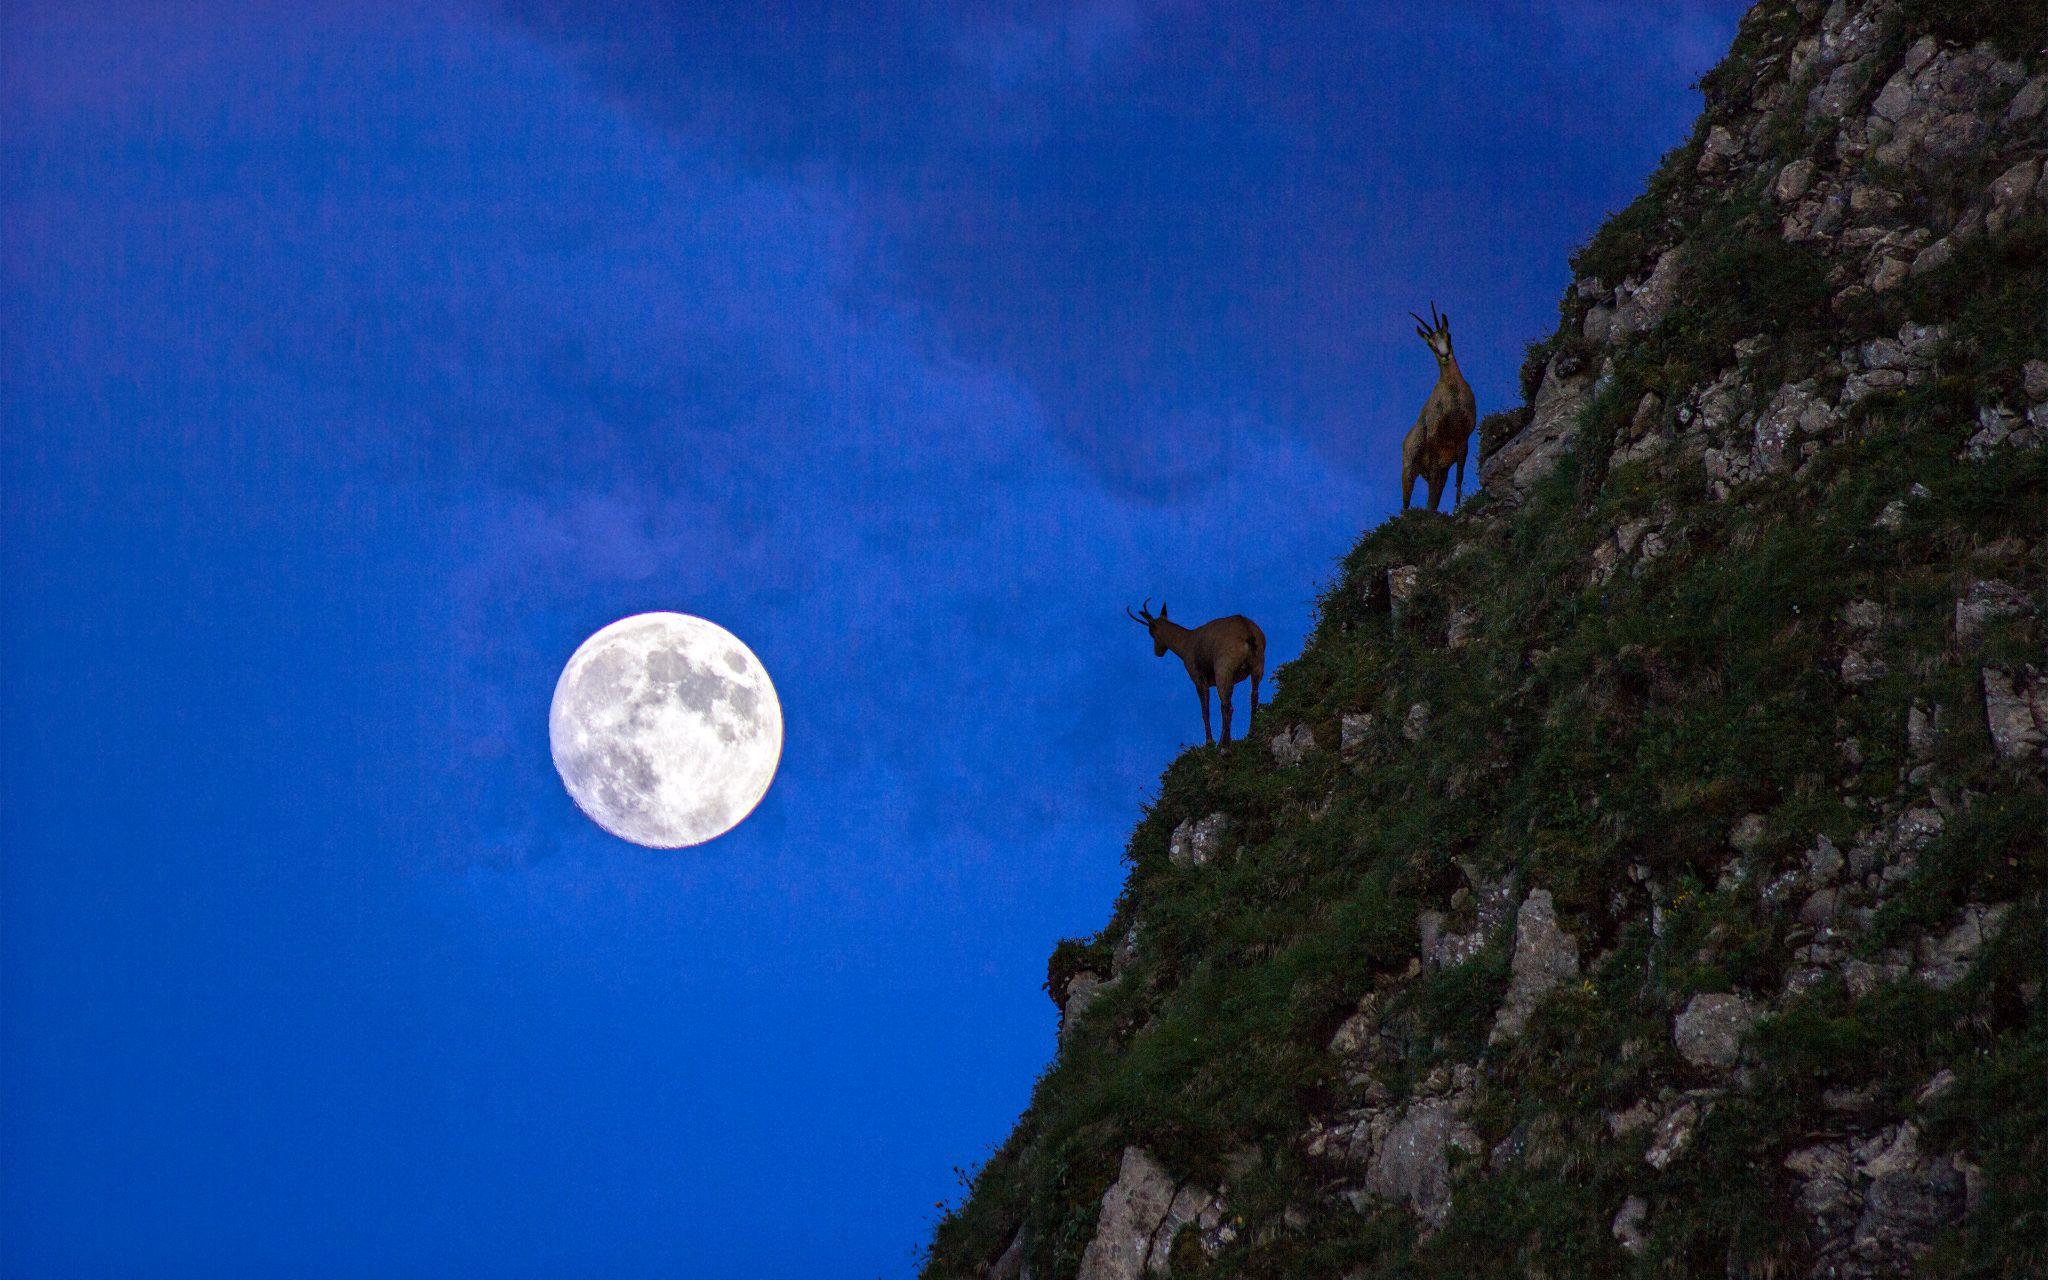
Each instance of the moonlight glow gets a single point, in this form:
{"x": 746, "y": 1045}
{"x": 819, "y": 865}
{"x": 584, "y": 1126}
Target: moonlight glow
{"x": 666, "y": 729}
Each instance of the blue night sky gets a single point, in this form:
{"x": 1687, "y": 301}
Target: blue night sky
{"x": 360, "y": 361}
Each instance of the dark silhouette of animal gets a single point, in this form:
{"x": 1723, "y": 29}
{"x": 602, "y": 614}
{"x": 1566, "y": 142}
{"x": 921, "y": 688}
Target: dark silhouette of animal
{"x": 1217, "y": 654}
{"x": 1437, "y": 440}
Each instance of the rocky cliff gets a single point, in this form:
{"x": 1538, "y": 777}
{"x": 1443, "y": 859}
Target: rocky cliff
{"x": 1641, "y": 872}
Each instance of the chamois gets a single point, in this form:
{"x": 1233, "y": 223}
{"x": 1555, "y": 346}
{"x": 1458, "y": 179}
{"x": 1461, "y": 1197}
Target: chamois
{"x": 1217, "y": 654}
{"x": 1437, "y": 440}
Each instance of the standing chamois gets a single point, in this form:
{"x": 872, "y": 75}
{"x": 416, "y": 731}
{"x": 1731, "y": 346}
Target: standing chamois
{"x": 1437, "y": 441}
{"x": 1217, "y": 655}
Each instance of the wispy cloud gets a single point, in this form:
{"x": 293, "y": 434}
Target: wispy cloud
{"x": 659, "y": 384}
{"x": 1062, "y": 42}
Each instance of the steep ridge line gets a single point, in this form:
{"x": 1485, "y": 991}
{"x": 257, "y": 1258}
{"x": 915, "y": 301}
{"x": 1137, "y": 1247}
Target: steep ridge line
{"x": 1641, "y": 871}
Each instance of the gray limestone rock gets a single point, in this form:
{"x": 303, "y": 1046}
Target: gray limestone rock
{"x": 1012, "y": 1265}
{"x": 1458, "y": 628}
{"x": 1354, "y": 731}
{"x": 2011, "y": 192}
{"x": 1793, "y": 181}
{"x": 1922, "y": 730}
{"x": 1416, "y": 722}
{"x": 1709, "y": 1032}
{"x": 2016, "y": 712}
{"x": 1820, "y": 907}
{"x": 2036, "y": 374}
{"x": 1720, "y": 152}
{"x": 1883, "y": 353}
{"x": 1402, "y": 580}
{"x": 1628, "y": 1224}
{"x": 1908, "y": 1198}
{"x": 1860, "y": 667}
{"x": 1196, "y": 841}
{"x": 1292, "y": 745}
{"x": 1641, "y": 306}
{"x": 1934, "y": 257}
{"x": 1862, "y": 977}
{"x": 2027, "y": 105}
{"x": 1494, "y": 909}
{"x": 1641, "y": 1115}
{"x": 1142, "y": 1212}
{"x": 1673, "y": 1134}
{"x": 1083, "y": 989}
{"x": 1932, "y": 112}
{"x": 1358, "y": 1032}
{"x": 1826, "y": 1175}
{"x": 1413, "y": 1162}
{"x": 1533, "y": 451}
{"x": 1986, "y": 601}
{"x": 2000, "y": 427}
{"x": 1875, "y": 1203}
{"x": 1544, "y": 956}
{"x": 1795, "y": 411}
{"x": 1946, "y": 960}
{"x": 1823, "y": 862}
{"x": 1833, "y": 97}
{"x": 1931, "y": 1092}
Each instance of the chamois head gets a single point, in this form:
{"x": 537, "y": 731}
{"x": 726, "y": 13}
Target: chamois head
{"x": 1436, "y": 331}
{"x": 1145, "y": 618}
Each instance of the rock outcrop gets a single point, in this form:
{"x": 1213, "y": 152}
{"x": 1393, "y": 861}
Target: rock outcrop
{"x": 1198, "y": 839}
{"x": 1544, "y": 956}
{"x": 1875, "y": 1205}
{"x": 1412, "y": 1162}
{"x": 1292, "y": 745}
{"x": 1143, "y": 1214}
{"x": 1529, "y": 456}
{"x": 1709, "y": 1032}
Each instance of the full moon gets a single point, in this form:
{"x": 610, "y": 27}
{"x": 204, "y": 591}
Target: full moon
{"x": 666, "y": 729}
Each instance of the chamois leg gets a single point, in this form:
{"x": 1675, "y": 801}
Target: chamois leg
{"x": 1461, "y": 483}
{"x": 1202, "y": 691}
{"x": 1223, "y": 696}
{"x": 1436, "y": 489}
{"x": 1251, "y": 715}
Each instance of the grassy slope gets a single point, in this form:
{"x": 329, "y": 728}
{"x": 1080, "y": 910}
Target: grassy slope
{"x": 1580, "y": 732}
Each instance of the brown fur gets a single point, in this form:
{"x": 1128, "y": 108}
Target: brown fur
{"x": 1217, "y": 654}
{"x": 1437, "y": 441}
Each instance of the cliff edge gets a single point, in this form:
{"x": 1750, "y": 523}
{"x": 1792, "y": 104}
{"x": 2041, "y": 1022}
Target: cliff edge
{"x": 1641, "y": 872}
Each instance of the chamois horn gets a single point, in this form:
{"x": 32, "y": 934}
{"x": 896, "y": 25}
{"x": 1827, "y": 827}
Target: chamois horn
{"x": 1144, "y": 615}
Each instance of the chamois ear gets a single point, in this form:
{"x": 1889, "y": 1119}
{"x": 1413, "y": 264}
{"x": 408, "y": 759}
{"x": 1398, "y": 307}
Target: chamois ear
{"x": 1162, "y": 608}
